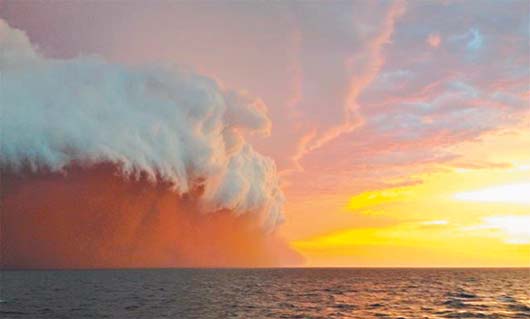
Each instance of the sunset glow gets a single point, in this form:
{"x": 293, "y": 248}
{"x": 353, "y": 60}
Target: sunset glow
{"x": 256, "y": 159}
{"x": 439, "y": 221}
{"x": 359, "y": 133}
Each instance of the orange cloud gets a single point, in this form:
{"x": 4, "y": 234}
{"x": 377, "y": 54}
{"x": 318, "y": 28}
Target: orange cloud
{"x": 434, "y": 40}
{"x": 95, "y": 218}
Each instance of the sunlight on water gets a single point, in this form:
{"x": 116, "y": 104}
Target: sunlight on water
{"x": 267, "y": 293}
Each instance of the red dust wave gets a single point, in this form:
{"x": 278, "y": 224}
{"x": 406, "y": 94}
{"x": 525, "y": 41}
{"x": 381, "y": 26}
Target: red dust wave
{"x": 95, "y": 218}
{"x": 107, "y": 165}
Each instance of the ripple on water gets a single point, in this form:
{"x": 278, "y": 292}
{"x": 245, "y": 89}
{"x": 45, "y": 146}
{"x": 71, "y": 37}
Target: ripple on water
{"x": 454, "y": 303}
{"x": 275, "y": 293}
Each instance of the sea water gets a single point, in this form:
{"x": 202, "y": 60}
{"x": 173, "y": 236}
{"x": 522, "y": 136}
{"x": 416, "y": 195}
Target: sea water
{"x": 266, "y": 293}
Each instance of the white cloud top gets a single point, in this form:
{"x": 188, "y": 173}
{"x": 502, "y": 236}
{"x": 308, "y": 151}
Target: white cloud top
{"x": 168, "y": 123}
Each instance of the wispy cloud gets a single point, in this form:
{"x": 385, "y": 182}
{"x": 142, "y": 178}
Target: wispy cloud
{"x": 512, "y": 193}
{"x": 512, "y": 229}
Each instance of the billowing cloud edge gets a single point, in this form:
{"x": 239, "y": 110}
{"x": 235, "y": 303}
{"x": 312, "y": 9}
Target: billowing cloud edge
{"x": 166, "y": 123}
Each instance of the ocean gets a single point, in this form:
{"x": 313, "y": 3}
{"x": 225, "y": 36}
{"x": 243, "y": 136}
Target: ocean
{"x": 266, "y": 293}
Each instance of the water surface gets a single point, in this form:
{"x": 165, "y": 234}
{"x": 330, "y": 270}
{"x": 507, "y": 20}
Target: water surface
{"x": 266, "y": 293}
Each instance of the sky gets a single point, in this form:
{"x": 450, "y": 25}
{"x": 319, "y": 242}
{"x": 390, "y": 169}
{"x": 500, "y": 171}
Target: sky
{"x": 400, "y": 130}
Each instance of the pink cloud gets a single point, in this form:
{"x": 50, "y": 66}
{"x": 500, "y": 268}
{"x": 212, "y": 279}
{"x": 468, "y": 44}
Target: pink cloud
{"x": 308, "y": 62}
{"x": 434, "y": 40}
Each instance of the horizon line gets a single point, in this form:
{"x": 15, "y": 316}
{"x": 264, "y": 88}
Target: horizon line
{"x": 270, "y": 268}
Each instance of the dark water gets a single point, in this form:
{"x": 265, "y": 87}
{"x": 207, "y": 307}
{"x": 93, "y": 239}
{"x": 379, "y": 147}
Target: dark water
{"x": 267, "y": 293}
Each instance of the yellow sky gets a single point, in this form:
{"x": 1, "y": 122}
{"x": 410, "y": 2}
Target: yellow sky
{"x": 457, "y": 216}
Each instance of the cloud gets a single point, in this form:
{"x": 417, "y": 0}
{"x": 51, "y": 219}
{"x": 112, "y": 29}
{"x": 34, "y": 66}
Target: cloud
{"x": 512, "y": 194}
{"x": 476, "y": 40}
{"x": 166, "y": 123}
{"x": 308, "y": 61}
{"x": 434, "y": 40}
{"x": 438, "y": 222}
{"x": 336, "y": 72}
{"x": 93, "y": 217}
{"x": 512, "y": 228}
{"x": 422, "y": 101}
